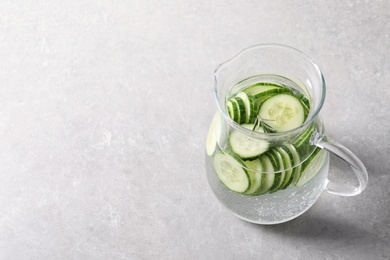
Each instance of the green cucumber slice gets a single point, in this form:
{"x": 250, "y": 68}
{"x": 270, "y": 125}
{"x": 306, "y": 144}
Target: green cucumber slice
{"x": 213, "y": 134}
{"x": 250, "y": 106}
{"x": 245, "y": 146}
{"x": 304, "y": 138}
{"x": 278, "y": 168}
{"x": 264, "y": 90}
{"x": 296, "y": 162}
{"x": 305, "y": 102}
{"x": 241, "y": 109}
{"x": 302, "y": 144}
{"x": 268, "y": 178}
{"x": 254, "y": 169}
{"x": 311, "y": 166}
{"x": 259, "y": 90}
{"x": 288, "y": 160}
{"x": 232, "y": 111}
{"x": 236, "y": 110}
{"x": 283, "y": 112}
{"x": 231, "y": 172}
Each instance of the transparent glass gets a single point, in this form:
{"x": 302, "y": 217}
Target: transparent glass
{"x": 299, "y": 174}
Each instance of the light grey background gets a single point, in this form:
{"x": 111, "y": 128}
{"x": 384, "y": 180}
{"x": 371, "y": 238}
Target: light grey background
{"x": 104, "y": 111}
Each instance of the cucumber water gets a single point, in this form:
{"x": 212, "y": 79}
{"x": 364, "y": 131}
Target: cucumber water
{"x": 257, "y": 177}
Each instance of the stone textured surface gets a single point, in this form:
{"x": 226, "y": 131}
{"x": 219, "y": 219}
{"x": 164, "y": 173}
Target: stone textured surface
{"x": 104, "y": 111}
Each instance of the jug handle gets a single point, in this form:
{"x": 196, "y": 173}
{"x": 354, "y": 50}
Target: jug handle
{"x": 347, "y": 157}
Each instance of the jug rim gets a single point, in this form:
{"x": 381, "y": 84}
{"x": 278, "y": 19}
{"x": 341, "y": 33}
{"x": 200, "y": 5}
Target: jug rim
{"x": 311, "y": 116}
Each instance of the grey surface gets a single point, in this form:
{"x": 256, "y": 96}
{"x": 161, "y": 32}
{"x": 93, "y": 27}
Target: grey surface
{"x": 104, "y": 111}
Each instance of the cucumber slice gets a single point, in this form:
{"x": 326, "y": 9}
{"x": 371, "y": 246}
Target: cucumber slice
{"x": 236, "y": 110}
{"x": 259, "y": 90}
{"x": 302, "y": 144}
{"x": 278, "y": 168}
{"x": 250, "y": 106}
{"x": 288, "y": 160}
{"x": 232, "y": 111}
{"x": 305, "y": 102}
{"x": 274, "y": 160}
{"x": 231, "y": 172}
{"x": 245, "y": 146}
{"x": 268, "y": 178}
{"x": 304, "y": 138}
{"x": 296, "y": 162}
{"x": 263, "y": 83}
{"x": 240, "y": 105}
{"x": 311, "y": 166}
{"x": 283, "y": 112}
{"x": 212, "y": 138}
{"x": 254, "y": 170}
{"x": 264, "y": 90}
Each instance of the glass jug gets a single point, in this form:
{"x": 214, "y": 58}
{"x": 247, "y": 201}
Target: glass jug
{"x": 267, "y": 154}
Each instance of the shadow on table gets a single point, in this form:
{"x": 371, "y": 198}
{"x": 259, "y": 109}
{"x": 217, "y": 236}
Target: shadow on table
{"x": 316, "y": 227}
